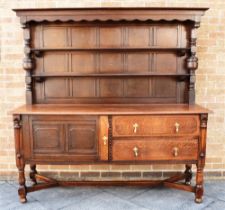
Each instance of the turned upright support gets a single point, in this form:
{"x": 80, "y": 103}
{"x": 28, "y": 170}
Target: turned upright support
{"x": 199, "y": 190}
{"x": 188, "y": 174}
{"x": 192, "y": 62}
{"x": 33, "y": 172}
{"x": 22, "y": 191}
{"x": 27, "y": 61}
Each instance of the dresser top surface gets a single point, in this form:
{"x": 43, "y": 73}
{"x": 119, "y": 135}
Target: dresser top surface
{"x": 108, "y": 109}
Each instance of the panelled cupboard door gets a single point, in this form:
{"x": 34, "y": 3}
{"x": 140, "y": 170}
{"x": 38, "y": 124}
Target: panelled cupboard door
{"x": 61, "y": 138}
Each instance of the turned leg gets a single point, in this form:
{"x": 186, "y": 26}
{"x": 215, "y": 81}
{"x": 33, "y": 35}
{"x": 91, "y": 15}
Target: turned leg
{"x": 199, "y": 185}
{"x": 188, "y": 174}
{"x": 201, "y": 160}
{"x": 22, "y": 187}
{"x": 19, "y": 158}
{"x": 33, "y": 172}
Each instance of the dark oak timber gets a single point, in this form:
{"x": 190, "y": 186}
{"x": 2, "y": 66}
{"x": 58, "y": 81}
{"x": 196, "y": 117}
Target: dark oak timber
{"x": 104, "y": 80}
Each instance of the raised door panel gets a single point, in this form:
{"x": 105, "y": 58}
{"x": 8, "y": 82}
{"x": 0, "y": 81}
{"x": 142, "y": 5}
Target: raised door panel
{"x": 82, "y": 138}
{"x": 47, "y": 138}
{"x": 155, "y": 149}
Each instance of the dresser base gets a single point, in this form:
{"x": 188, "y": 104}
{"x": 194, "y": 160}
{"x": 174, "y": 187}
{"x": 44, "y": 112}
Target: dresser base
{"x": 42, "y": 182}
{"x": 73, "y": 137}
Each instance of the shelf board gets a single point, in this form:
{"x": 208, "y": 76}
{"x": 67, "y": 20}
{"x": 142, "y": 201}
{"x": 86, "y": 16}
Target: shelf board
{"x": 110, "y": 49}
{"x": 66, "y": 74}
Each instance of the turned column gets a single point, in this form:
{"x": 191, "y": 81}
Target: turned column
{"x": 28, "y": 64}
{"x": 192, "y": 62}
{"x": 33, "y": 173}
{"x": 188, "y": 174}
{"x": 19, "y": 158}
{"x": 199, "y": 189}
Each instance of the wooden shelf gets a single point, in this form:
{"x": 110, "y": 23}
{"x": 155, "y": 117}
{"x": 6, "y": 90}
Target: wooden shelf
{"x": 181, "y": 50}
{"x": 70, "y": 74}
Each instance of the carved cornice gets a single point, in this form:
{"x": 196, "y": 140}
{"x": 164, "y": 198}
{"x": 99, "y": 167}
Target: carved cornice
{"x": 110, "y": 14}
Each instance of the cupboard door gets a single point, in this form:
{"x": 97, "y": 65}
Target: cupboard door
{"x": 61, "y": 138}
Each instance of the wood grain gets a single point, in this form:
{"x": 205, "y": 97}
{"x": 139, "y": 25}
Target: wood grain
{"x": 108, "y": 109}
{"x": 97, "y": 73}
{"x": 156, "y": 125}
{"x": 155, "y": 149}
{"x": 103, "y": 133}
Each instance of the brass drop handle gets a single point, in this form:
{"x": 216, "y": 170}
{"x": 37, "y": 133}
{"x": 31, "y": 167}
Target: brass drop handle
{"x": 135, "y": 126}
{"x": 175, "y": 151}
{"x": 135, "y": 149}
{"x": 105, "y": 139}
{"x": 177, "y": 126}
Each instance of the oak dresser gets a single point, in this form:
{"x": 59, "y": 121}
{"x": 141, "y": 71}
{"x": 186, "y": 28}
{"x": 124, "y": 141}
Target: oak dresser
{"x": 110, "y": 85}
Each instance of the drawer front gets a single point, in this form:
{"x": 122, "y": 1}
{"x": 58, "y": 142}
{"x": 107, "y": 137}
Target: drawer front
{"x": 155, "y": 125}
{"x": 62, "y": 138}
{"x": 158, "y": 149}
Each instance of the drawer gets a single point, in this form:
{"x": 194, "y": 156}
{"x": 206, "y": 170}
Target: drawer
{"x": 155, "y": 125}
{"x": 155, "y": 149}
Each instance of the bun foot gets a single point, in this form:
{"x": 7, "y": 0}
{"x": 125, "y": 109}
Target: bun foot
{"x": 198, "y": 200}
{"x": 23, "y": 200}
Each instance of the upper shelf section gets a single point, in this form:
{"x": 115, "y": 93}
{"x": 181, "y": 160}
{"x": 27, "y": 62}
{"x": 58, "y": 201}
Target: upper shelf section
{"x": 110, "y": 14}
